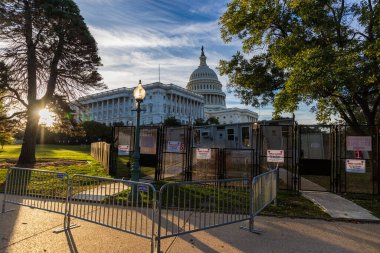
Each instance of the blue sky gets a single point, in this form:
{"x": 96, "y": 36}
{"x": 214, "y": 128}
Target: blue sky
{"x": 136, "y": 36}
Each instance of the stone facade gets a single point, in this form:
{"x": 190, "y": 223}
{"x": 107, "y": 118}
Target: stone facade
{"x": 161, "y": 101}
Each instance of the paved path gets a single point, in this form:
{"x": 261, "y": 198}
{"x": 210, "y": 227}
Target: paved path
{"x": 334, "y": 205}
{"x": 101, "y": 192}
{"x": 338, "y": 207}
{"x": 31, "y": 230}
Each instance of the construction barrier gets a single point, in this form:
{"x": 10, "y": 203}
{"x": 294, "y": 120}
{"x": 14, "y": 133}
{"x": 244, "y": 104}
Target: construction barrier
{"x": 138, "y": 208}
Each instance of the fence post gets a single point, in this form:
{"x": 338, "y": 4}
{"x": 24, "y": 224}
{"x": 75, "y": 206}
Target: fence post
{"x": 158, "y": 237}
{"x": 276, "y": 176}
{"x": 251, "y": 215}
{"x": 66, "y": 221}
{"x": 5, "y": 191}
{"x": 67, "y": 218}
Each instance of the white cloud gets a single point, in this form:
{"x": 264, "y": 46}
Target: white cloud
{"x": 132, "y": 39}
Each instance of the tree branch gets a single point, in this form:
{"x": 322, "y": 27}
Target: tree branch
{"x": 12, "y": 115}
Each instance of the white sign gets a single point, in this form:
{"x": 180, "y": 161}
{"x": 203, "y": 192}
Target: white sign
{"x": 173, "y": 146}
{"x": 123, "y": 150}
{"x": 359, "y": 143}
{"x": 203, "y": 153}
{"x": 355, "y": 166}
{"x": 275, "y": 156}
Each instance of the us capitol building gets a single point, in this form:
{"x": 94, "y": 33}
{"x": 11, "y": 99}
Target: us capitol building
{"x": 202, "y": 98}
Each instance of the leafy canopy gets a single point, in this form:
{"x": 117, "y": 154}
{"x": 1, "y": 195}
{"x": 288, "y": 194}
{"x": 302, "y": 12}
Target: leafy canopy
{"x": 323, "y": 51}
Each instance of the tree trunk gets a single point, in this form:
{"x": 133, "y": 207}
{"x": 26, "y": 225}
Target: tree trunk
{"x": 28, "y": 150}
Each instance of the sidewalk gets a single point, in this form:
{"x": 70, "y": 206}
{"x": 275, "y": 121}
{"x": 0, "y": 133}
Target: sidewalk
{"x": 31, "y": 230}
{"x": 336, "y": 206}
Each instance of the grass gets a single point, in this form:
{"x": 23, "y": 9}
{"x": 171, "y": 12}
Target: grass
{"x": 71, "y": 159}
{"x": 290, "y": 204}
{"x": 72, "y": 152}
{"x": 124, "y": 169}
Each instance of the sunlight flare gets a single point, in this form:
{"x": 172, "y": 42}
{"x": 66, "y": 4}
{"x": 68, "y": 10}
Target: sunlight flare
{"x": 47, "y": 117}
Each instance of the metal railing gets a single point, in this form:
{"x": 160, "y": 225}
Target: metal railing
{"x": 41, "y": 189}
{"x": 263, "y": 193}
{"x": 138, "y": 208}
{"x": 186, "y": 207}
{"x": 123, "y": 205}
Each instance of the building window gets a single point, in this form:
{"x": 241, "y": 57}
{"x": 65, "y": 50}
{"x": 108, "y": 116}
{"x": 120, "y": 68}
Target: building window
{"x": 230, "y": 134}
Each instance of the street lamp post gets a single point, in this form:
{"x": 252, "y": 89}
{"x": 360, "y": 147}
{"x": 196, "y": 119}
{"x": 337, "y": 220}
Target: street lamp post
{"x": 139, "y": 95}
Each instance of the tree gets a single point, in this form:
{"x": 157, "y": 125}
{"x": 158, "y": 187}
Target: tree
{"x": 199, "y": 122}
{"x": 95, "y": 131}
{"x": 307, "y": 51}
{"x": 172, "y": 121}
{"x": 212, "y": 121}
{"x": 50, "y": 58}
{"x": 7, "y": 127}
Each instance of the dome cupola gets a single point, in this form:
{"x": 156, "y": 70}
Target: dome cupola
{"x": 204, "y": 81}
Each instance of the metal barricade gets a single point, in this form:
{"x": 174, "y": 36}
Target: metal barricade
{"x": 186, "y": 207}
{"x": 137, "y": 208}
{"x": 41, "y": 189}
{"x": 263, "y": 193}
{"x": 119, "y": 204}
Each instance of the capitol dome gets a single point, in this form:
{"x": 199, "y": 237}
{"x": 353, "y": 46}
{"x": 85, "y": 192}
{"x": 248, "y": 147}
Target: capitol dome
{"x": 204, "y": 81}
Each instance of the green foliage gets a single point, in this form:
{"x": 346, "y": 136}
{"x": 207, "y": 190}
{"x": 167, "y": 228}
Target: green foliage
{"x": 95, "y": 131}
{"x": 306, "y": 51}
{"x": 212, "y": 121}
{"x": 199, "y": 122}
{"x": 209, "y": 121}
{"x": 5, "y": 138}
{"x": 172, "y": 121}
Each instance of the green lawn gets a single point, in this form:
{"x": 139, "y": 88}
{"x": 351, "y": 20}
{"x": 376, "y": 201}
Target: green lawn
{"x": 72, "y": 152}
{"x": 291, "y": 204}
{"x": 63, "y": 158}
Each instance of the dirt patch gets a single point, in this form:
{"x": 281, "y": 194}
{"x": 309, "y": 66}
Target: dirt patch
{"x": 41, "y": 163}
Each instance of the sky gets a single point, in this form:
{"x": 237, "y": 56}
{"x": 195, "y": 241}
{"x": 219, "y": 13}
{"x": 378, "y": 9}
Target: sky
{"x": 135, "y": 37}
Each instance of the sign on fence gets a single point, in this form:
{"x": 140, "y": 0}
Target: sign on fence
{"x": 359, "y": 143}
{"x": 123, "y": 150}
{"x": 203, "y": 153}
{"x": 275, "y": 156}
{"x": 355, "y": 166}
{"x": 173, "y": 146}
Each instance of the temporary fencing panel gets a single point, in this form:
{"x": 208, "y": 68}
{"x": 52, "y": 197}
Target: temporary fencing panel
{"x": 124, "y": 205}
{"x": 175, "y": 155}
{"x": 101, "y": 152}
{"x": 123, "y": 141}
{"x": 278, "y": 139}
{"x": 358, "y": 159}
{"x": 187, "y": 207}
{"x": 263, "y": 193}
{"x": 42, "y": 189}
{"x": 205, "y": 164}
{"x": 316, "y": 157}
{"x": 183, "y": 207}
{"x": 238, "y": 163}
